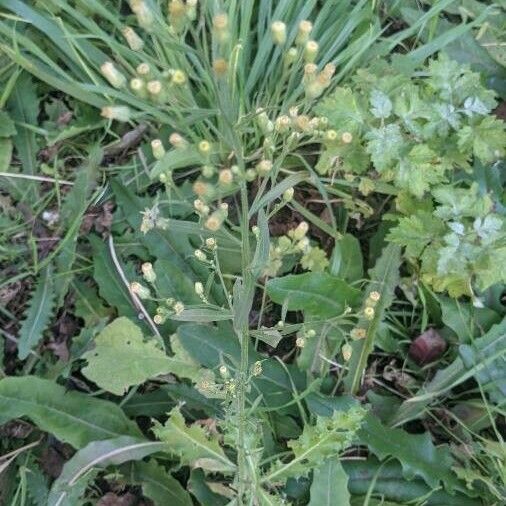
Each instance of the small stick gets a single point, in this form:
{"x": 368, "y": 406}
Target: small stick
{"x": 136, "y": 301}
{"x": 37, "y": 178}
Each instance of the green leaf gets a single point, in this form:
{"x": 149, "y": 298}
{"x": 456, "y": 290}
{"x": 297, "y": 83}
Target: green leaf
{"x": 485, "y": 359}
{"x": 384, "y": 279}
{"x": 318, "y": 293}
{"x": 38, "y": 314}
{"x": 416, "y": 452}
{"x": 158, "y": 485}
{"x": 72, "y": 417}
{"x": 98, "y": 454}
{"x": 387, "y": 481}
{"x": 191, "y": 444}
{"x": 486, "y": 139}
{"x": 326, "y": 439}
{"x": 385, "y": 145}
{"x": 5, "y": 154}
{"x": 346, "y": 261}
{"x": 111, "y": 287}
{"x": 7, "y": 127}
{"x": 199, "y": 488}
{"x": 121, "y": 358}
{"x": 330, "y": 485}
{"x": 381, "y": 104}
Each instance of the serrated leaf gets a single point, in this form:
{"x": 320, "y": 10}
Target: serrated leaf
{"x": 98, "y": 454}
{"x": 191, "y": 444}
{"x": 158, "y": 485}
{"x": 330, "y": 485}
{"x": 38, "y": 314}
{"x": 318, "y": 293}
{"x": 72, "y": 417}
{"x": 327, "y": 438}
{"x": 122, "y": 358}
{"x": 381, "y": 104}
{"x": 416, "y": 452}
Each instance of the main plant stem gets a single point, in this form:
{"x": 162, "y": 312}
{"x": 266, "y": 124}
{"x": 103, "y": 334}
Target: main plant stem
{"x": 247, "y": 292}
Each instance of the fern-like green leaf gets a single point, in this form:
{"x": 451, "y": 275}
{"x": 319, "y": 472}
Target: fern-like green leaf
{"x": 38, "y": 315}
{"x": 192, "y": 444}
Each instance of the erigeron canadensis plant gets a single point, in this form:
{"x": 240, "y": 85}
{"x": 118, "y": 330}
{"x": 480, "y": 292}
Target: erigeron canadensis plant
{"x": 230, "y": 88}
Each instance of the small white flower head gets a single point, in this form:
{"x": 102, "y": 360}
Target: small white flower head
{"x": 199, "y": 288}
{"x": 208, "y": 171}
{"x": 300, "y": 342}
{"x": 310, "y": 70}
{"x": 157, "y": 148}
{"x": 358, "y": 333}
{"x": 220, "y": 27}
{"x": 305, "y": 28}
{"x": 250, "y": 175}
{"x": 223, "y": 370}
{"x": 177, "y": 140}
{"x": 201, "y": 207}
{"x": 278, "y": 30}
{"x": 204, "y": 147}
{"x": 264, "y": 167}
{"x": 330, "y": 135}
{"x": 179, "y": 78}
{"x": 225, "y": 177}
{"x": 282, "y": 124}
{"x": 170, "y": 302}
{"x": 280, "y": 324}
{"x": 158, "y": 319}
{"x": 347, "y": 351}
{"x": 214, "y": 222}
{"x": 154, "y": 87}
{"x": 145, "y": 16}
{"x": 310, "y": 333}
{"x": 148, "y": 272}
{"x": 143, "y": 69}
{"x": 116, "y": 112}
{"x": 235, "y": 170}
{"x": 178, "y": 307}
{"x": 138, "y": 86}
{"x": 211, "y": 243}
{"x": 369, "y": 313}
{"x": 133, "y": 40}
{"x": 256, "y": 231}
{"x": 291, "y": 55}
{"x": 200, "y": 255}
{"x": 299, "y": 232}
{"x": 310, "y": 51}
{"x": 347, "y": 137}
{"x": 288, "y": 194}
{"x": 375, "y": 296}
{"x": 151, "y": 219}
{"x": 220, "y": 66}
{"x": 141, "y": 291}
{"x": 113, "y": 75}
{"x": 257, "y": 368}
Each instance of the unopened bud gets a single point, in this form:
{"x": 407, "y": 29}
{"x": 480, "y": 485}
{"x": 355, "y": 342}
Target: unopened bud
{"x": 278, "y": 30}
{"x": 117, "y": 112}
{"x": 225, "y": 177}
{"x": 178, "y": 77}
{"x": 288, "y": 194}
{"x": 148, "y": 272}
{"x": 347, "y": 137}
{"x": 177, "y": 140}
{"x": 346, "y": 351}
{"x": 178, "y": 307}
{"x": 369, "y": 313}
{"x": 300, "y": 342}
{"x": 305, "y": 28}
{"x": 300, "y": 231}
{"x": 133, "y": 40}
{"x": 200, "y": 255}
{"x": 113, "y": 75}
{"x": 144, "y": 70}
{"x": 144, "y": 14}
{"x": 204, "y": 147}
{"x": 220, "y": 66}
{"x": 157, "y": 148}
{"x": 264, "y": 167}
{"x": 199, "y": 288}
{"x": 211, "y": 243}
{"x": 141, "y": 291}
{"x": 310, "y": 51}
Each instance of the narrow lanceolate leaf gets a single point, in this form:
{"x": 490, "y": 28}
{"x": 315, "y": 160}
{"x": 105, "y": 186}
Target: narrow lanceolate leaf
{"x": 38, "y": 314}
{"x": 192, "y": 444}
{"x": 416, "y": 453}
{"x": 72, "y": 417}
{"x": 121, "y": 358}
{"x": 158, "y": 485}
{"x": 98, "y": 454}
{"x": 384, "y": 279}
{"x": 330, "y": 485}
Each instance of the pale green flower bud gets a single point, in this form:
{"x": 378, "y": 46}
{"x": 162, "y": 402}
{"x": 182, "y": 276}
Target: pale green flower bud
{"x": 305, "y": 28}
{"x": 113, "y": 75}
{"x": 288, "y": 194}
{"x": 116, "y": 112}
{"x": 133, "y": 40}
{"x": 278, "y": 30}
{"x": 310, "y": 51}
{"x": 148, "y": 272}
{"x": 141, "y": 291}
{"x": 264, "y": 167}
{"x": 157, "y": 148}
{"x": 138, "y": 86}
{"x": 145, "y": 16}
